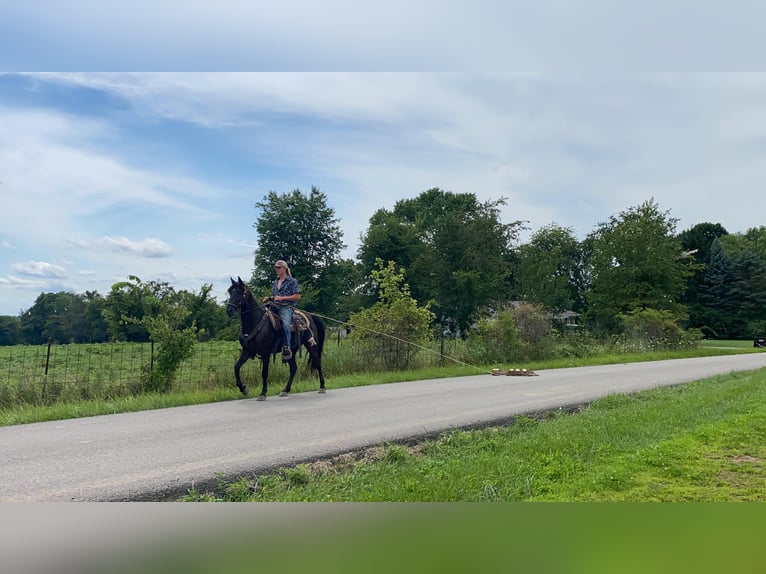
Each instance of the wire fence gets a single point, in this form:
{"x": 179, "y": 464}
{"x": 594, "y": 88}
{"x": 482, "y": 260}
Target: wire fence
{"x": 50, "y": 373}
{"x": 41, "y": 374}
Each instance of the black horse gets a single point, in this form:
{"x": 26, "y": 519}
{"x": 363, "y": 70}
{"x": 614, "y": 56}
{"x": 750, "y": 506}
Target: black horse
{"x": 260, "y": 337}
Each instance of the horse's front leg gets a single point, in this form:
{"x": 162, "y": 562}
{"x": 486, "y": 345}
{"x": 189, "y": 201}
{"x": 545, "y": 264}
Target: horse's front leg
{"x": 293, "y": 370}
{"x": 264, "y": 378}
{"x": 243, "y": 357}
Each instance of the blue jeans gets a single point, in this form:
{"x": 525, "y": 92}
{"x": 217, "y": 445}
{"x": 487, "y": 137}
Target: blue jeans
{"x": 286, "y": 316}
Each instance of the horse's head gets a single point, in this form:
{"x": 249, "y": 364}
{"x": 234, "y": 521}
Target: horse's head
{"x": 237, "y": 293}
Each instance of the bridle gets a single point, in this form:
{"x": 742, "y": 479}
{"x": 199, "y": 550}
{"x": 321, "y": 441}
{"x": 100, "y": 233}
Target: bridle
{"x": 238, "y": 306}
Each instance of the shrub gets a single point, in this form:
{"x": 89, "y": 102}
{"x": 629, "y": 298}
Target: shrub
{"x": 388, "y": 328}
{"x": 655, "y": 329}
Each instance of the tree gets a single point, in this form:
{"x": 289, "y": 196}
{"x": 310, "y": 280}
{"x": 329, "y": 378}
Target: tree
{"x": 732, "y": 295}
{"x": 152, "y": 311}
{"x": 97, "y": 329}
{"x": 457, "y": 253}
{"x": 10, "y": 330}
{"x": 204, "y": 312}
{"x": 551, "y": 270}
{"x": 636, "y": 263}
{"x": 301, "y": 229}
{"x": 60, "y": 317}
{"x": 391, "y": 326}
{"x": 697, "y": 242}
{"x": 748, "y": 290}
{"x": 715, "y": 305}
{"x": 129, "y": 302}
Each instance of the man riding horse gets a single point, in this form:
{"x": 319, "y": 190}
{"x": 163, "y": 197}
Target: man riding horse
{"x": 285, "y": 293}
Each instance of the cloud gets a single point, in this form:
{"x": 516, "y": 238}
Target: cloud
{"x": 149, "y": 247}
{"x": 39, "y": 269}
{"x": 76, "y": 243}
{"x": 13, "y": 281}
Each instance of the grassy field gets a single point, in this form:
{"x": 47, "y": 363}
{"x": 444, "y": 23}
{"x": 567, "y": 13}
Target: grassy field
{"x": 93, "y": 388}
{"x": 704, "y": 441}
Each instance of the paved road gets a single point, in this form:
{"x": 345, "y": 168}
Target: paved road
{"x": 154, "y": 454}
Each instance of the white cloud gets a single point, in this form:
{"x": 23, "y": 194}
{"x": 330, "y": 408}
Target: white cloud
{"x": 149, "y": 247}
{"x": 182, "y": 158}
{"x": 19, "y": 282}
{"x": 39, "y": 269}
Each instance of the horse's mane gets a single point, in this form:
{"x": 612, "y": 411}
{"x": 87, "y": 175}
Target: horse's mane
{"x": 248, "y": 295}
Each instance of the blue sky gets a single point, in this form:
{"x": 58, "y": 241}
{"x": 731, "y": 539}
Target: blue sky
{"x": 556, "y": 105}
{"x": 156, "y": 175}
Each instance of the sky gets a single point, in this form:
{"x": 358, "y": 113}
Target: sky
{"x": 156, "y": 174}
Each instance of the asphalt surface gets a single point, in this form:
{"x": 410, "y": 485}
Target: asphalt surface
{"x": 161, "y": 454}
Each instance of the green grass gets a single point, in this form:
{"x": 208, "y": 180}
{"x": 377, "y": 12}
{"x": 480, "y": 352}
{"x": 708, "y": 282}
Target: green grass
{"x": 704, "y": 441}
{"x": 713, "y": 343}
{"x": 220, "y": 385}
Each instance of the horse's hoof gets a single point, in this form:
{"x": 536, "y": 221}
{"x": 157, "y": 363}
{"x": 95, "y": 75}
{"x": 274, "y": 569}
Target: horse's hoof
{"x": 322, "y": 391}
{"x": 284, "y": 394}
{"x": 243, "y": 390}
{"x": 260, "y": 398}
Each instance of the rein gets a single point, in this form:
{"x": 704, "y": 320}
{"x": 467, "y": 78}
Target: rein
{"x": 242, "y": 312}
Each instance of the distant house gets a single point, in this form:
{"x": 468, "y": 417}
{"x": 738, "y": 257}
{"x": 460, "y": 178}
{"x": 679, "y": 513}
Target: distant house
{"x": 567, "y": 318}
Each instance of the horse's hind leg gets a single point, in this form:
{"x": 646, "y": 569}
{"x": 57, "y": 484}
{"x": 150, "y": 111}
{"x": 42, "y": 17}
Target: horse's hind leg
{"x": 237, "y": 366}
{"x": 318, "y": 367}
{"x": 315, "y": 361}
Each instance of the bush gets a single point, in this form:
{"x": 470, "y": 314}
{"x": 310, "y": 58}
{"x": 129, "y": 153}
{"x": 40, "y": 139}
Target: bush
{"x": 655, "y": 330}
{"x": 173, "y": 346}
{"x": 389, "y": 328}
{"x": 515, "y": 334}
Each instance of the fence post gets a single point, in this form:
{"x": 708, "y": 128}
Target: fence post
{"x": 47, "y": 362}
{"x": 48, "y": 357}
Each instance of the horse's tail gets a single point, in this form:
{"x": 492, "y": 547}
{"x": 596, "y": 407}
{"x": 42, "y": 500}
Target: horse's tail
{"x": 320, "y": 337}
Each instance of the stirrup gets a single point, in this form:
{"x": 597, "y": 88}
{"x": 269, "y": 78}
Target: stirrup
{"x": 287, "y": 354}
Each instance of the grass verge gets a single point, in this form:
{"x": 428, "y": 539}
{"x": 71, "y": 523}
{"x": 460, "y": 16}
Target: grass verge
{"x": 702, "y": 441}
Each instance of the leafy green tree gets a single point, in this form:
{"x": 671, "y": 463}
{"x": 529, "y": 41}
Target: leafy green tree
{"x": 301, "y": 229}
{"x": 636, "y": 263}
{"x": 204, "y": 312}
{"x": 56, "y": 316}
{"x": 352, "y": 289}
{"x": 10, "y": 330}
{"x": 551, "y": 270}
{"x": 128, "y": 302}
{"x": 457, "y": 252}
{"x": 97, "y": 331}
{"x": 395, "y": 325}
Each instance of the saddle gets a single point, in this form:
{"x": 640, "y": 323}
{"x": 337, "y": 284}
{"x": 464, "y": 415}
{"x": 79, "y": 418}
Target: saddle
{"x": 299, "y": 324}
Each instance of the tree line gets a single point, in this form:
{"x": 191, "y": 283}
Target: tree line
{"x": 461, "y": 262}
